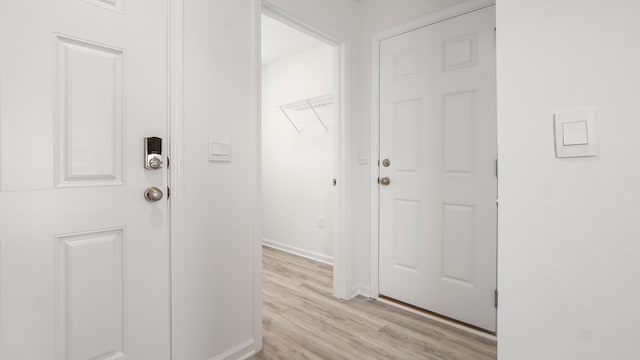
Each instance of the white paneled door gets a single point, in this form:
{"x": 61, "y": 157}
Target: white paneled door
{"x": 438, "y": 148}
{"x": 84, "y": 258}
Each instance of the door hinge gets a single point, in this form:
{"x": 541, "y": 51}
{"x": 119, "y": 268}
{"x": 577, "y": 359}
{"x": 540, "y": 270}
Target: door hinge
{"x": 495, "y": 298}
{"x": 496, "y": 167}
{"x": 168, "y": 192}
{"x": 168, "y": 163}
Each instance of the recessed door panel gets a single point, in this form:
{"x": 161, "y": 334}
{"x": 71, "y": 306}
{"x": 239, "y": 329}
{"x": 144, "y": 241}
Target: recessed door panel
{"x": 91, "y": 303}
{"x": 407, "y": 138}
{"x": 458, "y": 232}
{"x": 407, "y": 234}
{"x": 89, "y": 124}
{"x": 458, "y": 137}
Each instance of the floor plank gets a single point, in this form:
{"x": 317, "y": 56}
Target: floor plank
{"x": 302, "y": 320}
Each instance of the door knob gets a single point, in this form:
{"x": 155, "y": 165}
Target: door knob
{"x": 386, "y": 162}
{"x": 385, "y": 181}
{"x": 153, "y": 194}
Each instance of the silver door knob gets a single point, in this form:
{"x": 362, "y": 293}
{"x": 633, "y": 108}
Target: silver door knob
{"x": 386, "y": 162}
{"x": 153, "y": 194}
{"x": 385, "y": 181}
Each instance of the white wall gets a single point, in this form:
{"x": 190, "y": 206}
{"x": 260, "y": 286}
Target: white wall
{"x": 297, "y": 168}
{"x": 214, "y": 258}
{"x": 569, "y": 248}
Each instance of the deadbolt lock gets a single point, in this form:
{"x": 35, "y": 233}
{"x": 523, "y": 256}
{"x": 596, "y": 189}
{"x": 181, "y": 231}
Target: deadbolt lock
{"x": 386, "y": 162}
{"x": 152, "y": 153}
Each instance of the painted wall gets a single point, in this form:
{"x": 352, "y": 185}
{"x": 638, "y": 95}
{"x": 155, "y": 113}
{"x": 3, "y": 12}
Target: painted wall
{"x": 297, "y": 168}
{"x": 213, "y": 311}
{"x": 569, "y": 244}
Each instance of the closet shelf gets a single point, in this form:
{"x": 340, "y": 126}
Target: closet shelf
{"x": 307, "y": 104}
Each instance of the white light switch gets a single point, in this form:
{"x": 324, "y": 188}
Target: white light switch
{"x": 219, "y": 149}
{"x": 575, "y": 133}
{"x": 363, "y": 159}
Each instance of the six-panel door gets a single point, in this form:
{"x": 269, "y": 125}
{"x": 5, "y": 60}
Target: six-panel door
{"x": 438, "y": 131}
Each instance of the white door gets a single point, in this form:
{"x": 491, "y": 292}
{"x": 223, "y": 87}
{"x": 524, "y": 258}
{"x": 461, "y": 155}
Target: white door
{"x": 84, "y": 258}
{"x": 438, "y": 130}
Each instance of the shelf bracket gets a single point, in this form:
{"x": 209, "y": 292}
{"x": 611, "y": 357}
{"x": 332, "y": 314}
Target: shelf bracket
{"x": 316, "y": 114}
{"x": 289, "y": 118}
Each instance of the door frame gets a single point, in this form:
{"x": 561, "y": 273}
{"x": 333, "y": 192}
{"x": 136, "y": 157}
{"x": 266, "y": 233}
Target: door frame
{"x": 442, "y": 15}
{"x": 341, "y": 144}
{"x": 176, "y": 141}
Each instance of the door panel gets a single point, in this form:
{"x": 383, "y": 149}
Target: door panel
{"x": 84, "y": 259}
{"x": 438, "y": 129}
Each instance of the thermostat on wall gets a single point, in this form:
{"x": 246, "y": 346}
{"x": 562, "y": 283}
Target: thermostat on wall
{"x": 219, "y": 149}
{"x": 575, "y": 133}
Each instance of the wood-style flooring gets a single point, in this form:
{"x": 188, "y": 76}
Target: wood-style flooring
{"x": 302, "y": 320}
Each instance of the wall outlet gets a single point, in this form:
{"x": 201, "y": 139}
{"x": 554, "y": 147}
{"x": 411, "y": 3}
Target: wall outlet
{"x": 320, "y": 222}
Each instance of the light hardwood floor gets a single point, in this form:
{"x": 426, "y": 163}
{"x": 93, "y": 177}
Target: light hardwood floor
{"x": 302, "y": 320}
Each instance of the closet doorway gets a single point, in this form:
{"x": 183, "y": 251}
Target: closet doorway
{"x": 301, "y": 135}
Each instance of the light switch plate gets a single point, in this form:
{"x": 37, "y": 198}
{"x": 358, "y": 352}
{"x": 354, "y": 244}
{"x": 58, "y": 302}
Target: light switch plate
{"x": 219, "y": 149}
{"x": 575, "y": 133}
{"x": 363, "y": 159}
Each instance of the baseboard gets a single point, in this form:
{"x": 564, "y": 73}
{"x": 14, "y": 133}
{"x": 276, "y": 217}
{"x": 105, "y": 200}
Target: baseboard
{"x": 298, "y": 251}
{"x": 360, "y": 290}
{"x": 242, "y": 351}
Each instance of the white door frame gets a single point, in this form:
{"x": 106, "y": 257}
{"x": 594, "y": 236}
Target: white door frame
{"x": 430, "y": 19}
{"x": 342, "y": 147}
{"x": 176, "y": 155}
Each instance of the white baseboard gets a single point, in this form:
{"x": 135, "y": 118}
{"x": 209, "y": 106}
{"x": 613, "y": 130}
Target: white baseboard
{"x": 242, "y": 351}
{"x": 323, "y": 258}
{"x": 360, "y": 289}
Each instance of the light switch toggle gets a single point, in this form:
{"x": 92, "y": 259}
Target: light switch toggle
{"x": 219, "y": 149}
{"x": 575, "y": 133}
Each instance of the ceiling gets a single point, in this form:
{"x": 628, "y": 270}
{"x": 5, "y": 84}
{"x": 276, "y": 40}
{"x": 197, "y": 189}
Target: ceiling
{"x": 280, "y": 40}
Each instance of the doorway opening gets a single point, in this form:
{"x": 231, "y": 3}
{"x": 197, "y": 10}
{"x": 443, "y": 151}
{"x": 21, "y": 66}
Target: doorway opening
{"x": 297, "y": 142}
{"x": 303, "y": 134}
{"x": 434, "y": 211}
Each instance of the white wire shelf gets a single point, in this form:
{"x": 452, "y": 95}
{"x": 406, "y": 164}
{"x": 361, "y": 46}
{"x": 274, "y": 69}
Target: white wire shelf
{"x": 307, "y": 104}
